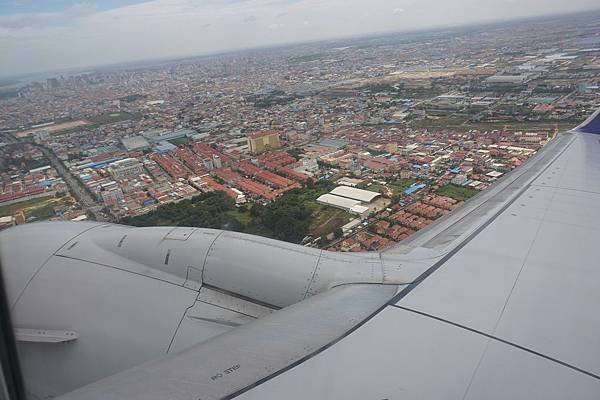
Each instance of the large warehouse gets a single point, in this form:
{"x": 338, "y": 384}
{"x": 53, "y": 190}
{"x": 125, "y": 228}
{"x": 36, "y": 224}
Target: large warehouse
{"x": 364, "y": 196}
{"x": 350, "y": 199}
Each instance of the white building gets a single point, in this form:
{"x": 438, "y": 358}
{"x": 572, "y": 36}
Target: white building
{"x": 352, "y": 182}
{"x": 351, "y": 225}
{"x": 363, "y": 196}
{"x": 217, "y": 161}
{"x": 125, "y": 168}
{"x": 459, "y": 179}
{"x": 343, "y": 203}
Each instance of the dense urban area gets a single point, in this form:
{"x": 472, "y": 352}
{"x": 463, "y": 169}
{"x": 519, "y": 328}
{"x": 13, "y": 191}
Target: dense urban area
{"x": 348, "y": 145}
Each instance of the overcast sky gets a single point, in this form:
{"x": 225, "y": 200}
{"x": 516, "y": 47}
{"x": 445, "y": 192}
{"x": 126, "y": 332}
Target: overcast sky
{"x": 42, "y": 35}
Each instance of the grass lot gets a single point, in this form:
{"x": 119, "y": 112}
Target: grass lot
{"x": 324, "y": 219}
{"x": 44, "y": 211}
{"x": 13, "y": 208}
{"x": 376, "y": 187}
{"x": 463, "y": 124}
{"x": 400, "y": 185}
{"x": 110, "y": 118}
{"x": 41, "y": 208}
{"x": 243, "y": 218}
{"x": 180, "y": 141}
{"x": 311, "y": 195}
{"x": 459, "y": 193}
{"x": 328, "y": 219}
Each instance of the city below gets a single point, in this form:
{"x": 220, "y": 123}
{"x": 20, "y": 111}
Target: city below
{"x": 346, "y": 145}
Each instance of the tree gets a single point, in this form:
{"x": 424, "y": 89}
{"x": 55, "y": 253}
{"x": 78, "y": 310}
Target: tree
{"x": 208, "y": 210}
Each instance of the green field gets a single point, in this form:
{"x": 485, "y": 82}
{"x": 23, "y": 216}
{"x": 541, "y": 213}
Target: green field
{"x": 400, "y": 185}
{"x": 33, "y": 203}
{"x": 41, "y": 208}
{"x": 376, "y": 187}
{"x": 179, "y": 141}
{"x": 463, "y": 124}
{"x": 243, "y": 217}
{"x": 328, "y": 219}
{"x": 459, "y": 193}
{"x": 110, "y": 118}
{"x": 43, "y": 212}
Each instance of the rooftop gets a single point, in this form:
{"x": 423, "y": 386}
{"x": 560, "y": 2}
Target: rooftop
{"x": 259, "y": 134}
{"x": 365, "y": 196}
{"x": 135, "y": 143}
{"x": 337, "y": 201}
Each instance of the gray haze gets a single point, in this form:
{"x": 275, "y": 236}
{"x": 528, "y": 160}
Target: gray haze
{"x": 79, "y": 35}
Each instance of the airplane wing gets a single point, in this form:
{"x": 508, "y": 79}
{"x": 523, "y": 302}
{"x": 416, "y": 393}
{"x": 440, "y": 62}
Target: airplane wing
{"x": 497, "y": 300}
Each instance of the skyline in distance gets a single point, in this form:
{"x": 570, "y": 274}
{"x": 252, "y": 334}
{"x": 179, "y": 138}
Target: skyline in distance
{"x": 66, "y": 34}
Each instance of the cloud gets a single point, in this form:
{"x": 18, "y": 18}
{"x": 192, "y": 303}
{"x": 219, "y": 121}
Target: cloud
{"x": 17, "y": 21}
{"x": 81, "y": 10}
{"x": 83, "y": 35}
{"x": 45, "y": 19}
{"x": 249, "y": 18}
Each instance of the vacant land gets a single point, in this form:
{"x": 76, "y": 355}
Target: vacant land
{"x": 180, "y": 141}
{"x": 460, "y": 193}
{"x": 394, "y": 188}
{"x": 23, "y": 205}
{"x": 55, "y": 128}
{"x": 400, "y": 185}
{"x": 40, "y": 208}
{"x": 110, "y": 118}
{"x": 242, "y": 215}
{"x": 327, "y": 219}
{"x": 463, "y": 124}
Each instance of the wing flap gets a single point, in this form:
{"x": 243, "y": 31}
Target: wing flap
{"x": 237, "y": 360}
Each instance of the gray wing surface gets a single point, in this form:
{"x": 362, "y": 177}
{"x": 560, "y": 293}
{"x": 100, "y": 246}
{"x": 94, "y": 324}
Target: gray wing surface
{"x": 506, "y": 306}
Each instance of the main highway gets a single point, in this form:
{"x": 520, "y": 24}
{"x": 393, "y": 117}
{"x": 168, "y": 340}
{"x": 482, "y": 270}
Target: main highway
{"x": 77, "y": 188}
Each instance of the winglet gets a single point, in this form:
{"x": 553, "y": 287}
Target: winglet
{"x": 591, "y": 125}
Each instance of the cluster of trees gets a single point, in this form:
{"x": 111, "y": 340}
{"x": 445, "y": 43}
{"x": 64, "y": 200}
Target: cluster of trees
{"x": 379, "y": 88}
{"x": 208, "y": 210}
{"x": 288, "y": 218}
{"x": 460, "y": 193}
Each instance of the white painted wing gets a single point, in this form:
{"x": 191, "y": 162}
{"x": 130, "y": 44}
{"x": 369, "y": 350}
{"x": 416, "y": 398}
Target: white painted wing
{"x": 507, "y": 308}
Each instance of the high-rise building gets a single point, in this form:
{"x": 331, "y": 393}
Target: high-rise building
{"x": 262, "y": 141}
{"x": 216, "y": 161}
{"x": 124, "y": 168}
{"x": 209, "y": 164}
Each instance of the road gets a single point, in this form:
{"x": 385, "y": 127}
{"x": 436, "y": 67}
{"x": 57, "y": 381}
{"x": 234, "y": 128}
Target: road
{"x": 78, "y": 190}
{"x": 87, "y": 201}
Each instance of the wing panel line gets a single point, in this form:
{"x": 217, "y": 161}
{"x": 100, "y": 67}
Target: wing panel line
{"x": 46, "y": 262}
{"x": 564, "y": 364}
{"x": 308, "y": 356}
